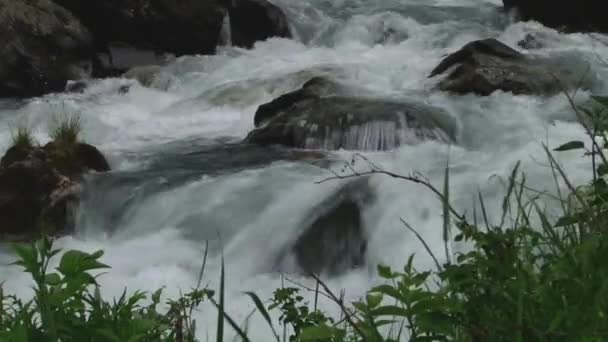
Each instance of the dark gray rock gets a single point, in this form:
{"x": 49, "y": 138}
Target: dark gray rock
{"x": 334, "y": 240}
{"x": 39, "y": 184}
{"x": 324, "y": 115}
{"x": 530, "y": 42}
{"x": 256, "y": 20}
{"x": 484, "y": 66}
{"x": 180, "y": 27}
{"x": 42, "y": 46}
{"x": 567, "y": 15}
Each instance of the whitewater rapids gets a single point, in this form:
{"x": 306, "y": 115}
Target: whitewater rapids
{"x": 178, "y": 180}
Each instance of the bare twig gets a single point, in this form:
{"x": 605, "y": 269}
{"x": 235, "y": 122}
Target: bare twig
{"x": 340, "y": 303}
{"x": 426, "y": 246}
{"x": 409, "y": 178}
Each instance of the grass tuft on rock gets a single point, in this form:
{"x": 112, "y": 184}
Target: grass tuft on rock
{"x": 67, "y": 131}
{"x": 23, "y": 139}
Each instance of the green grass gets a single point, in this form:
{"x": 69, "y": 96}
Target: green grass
{"x": 22, "y": 138}
{"x": 527, "y": 277}
{"x": 67, "y": 131}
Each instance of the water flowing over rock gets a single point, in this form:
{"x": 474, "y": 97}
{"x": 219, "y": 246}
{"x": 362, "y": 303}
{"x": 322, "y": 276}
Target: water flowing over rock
{"x": 334, "y": 238}
{"x": 38, "y": 185}
{"x": 485, "y": 66}
{"x": 42, "y": 47}
{"x": 568, "y": 15}
{"x": 321, "y": 115}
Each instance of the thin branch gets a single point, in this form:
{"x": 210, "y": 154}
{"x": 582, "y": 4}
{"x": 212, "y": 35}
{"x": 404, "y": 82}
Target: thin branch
{"x": 409, "y": 178}
{"x": 426, "y": 246}
{"x": 342, "y": 307}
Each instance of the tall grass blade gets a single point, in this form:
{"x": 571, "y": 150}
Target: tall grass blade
{"x": 223, "y": 315}
{"x": 506, "y": 200}
{"x": 260, "y": 306}
{"x": 221, "y": 312}
{"x": 446, "y": 211}
{"x": 483, "y": 210}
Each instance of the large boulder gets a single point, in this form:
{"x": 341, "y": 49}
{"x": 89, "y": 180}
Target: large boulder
{"x": 484, "y": 66}
{"x": 181, "y": 27}
{"x": 178, "y": 27}
{"x": 567, "y": 15}
{"x": 256, "y": 20}
{"x": 39, "y": 184}
{"x": 334, "y": 238}
{"x": 42, "y": 46}
{"x": 324, "y": 115}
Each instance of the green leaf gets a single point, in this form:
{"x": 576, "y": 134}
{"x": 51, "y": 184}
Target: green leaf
{"x": 603, "y": 100}
{"x": 571, "y": 145}
{"x": 566, "y": 221}
{"x": 373, "y": 300}
{"x": 74, "y": 262}
{"x": 260, "y": 306}
{"x": 385, "y": 272}
{"x": 53, "y": 279}
{"x": 391, "y": 310}
{"x": 602, "y": 169}
{"x": 388, "y": 290}
{"x": 318, "y": 333}
{"x": 28, "y": 258}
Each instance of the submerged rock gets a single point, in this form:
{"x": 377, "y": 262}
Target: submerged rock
{"x": 324, "y": 115}
{"x": 39, "y": 184}
{"x": 334, "y": 239}
{"x": 43, "y": 46}
{"x": 485, "y": 66}
{"x": 568, "y": 15}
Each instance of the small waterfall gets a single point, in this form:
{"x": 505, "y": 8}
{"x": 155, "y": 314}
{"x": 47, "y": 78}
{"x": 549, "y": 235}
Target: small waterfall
{"x": 225, "y": 38}
{"x": 372, "y": 136}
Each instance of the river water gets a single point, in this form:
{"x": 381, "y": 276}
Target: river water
{"x": 180, "y": 178}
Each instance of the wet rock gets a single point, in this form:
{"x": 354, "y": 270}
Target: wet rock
{"x": 324, "y": 115}
{"x": 76, "y": 87}
{"x": 567, "y": 15}
{"x": 530, "y": 42}
{"x": 39, "y": 184}
{"x": 120, "y": 58}
{"x": 334, "y": 240}
{"x": 180, "y": 27}
{"x": 186, "y": 27}
{"x": 256, "y": 20}
{"x": 484, "y": 66}
{"x": 43, "y": 46}
{"x": 145, "y": 75}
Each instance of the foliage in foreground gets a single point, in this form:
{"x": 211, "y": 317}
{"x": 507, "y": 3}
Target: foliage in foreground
{"x": 525, "y": 278}
{"x": 68, "y": 306}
